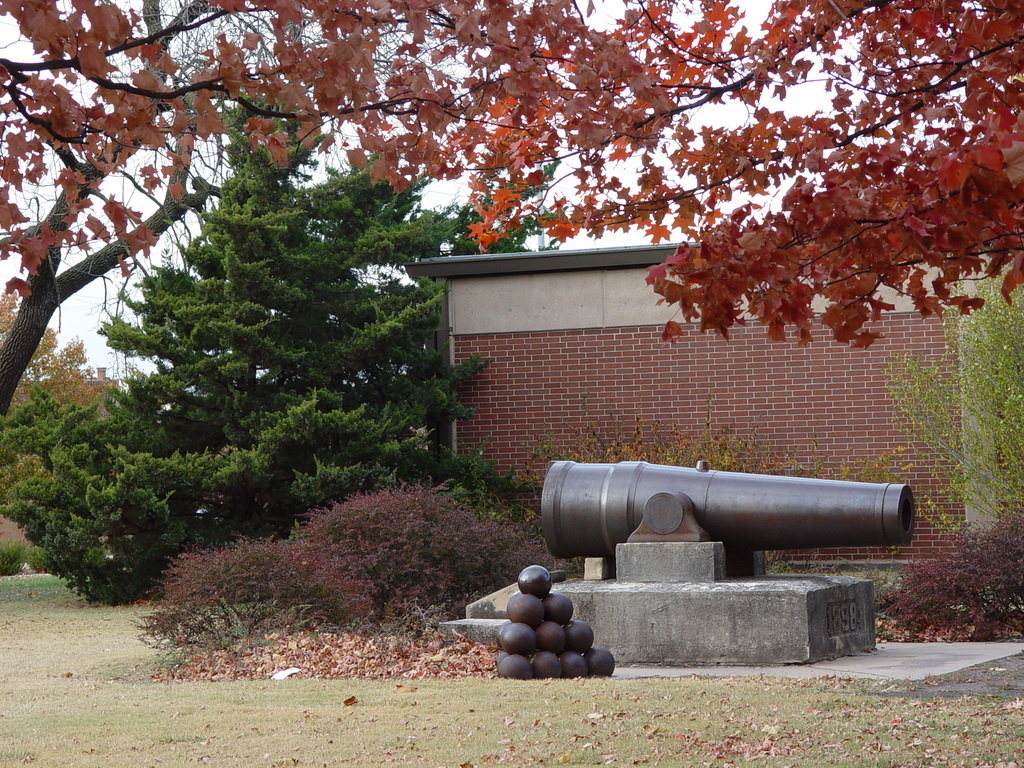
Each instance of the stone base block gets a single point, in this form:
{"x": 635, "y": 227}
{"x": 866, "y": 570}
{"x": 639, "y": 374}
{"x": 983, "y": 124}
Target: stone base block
{"x": 477, "y": 630}
{"x": 492, "y": 606}
{"x": 670, "y": 561}
{"x": 765, "y": 620}
{"x": 598, "y": 568}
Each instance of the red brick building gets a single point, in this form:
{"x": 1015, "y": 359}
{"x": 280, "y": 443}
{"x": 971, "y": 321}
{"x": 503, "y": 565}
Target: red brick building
{"x": 574, "y": 342}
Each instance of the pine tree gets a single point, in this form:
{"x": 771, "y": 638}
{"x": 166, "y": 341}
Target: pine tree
{"x": 289, "y": 368}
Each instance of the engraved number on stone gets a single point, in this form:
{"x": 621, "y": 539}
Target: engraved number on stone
{"x": 842, "y": 617}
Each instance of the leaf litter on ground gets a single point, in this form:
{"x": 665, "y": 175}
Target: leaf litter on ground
{"x": 327, "y": 655}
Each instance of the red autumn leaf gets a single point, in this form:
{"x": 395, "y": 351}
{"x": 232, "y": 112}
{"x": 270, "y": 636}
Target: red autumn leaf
{"x": 503, "y": 197}
{"x": 33, "y": 252}
{"x": 656, "y": 273}
{"x": 356, "y": 157}
{"x": 141, "y": 241}
{"x": 1013, "y": 278}
{"x": 118, "y": 214}
{"x": 658, "y": 232}
{"x": 1013, "y": 156}
{"x": 277, "y": 146}
{"x": 989, "y": 157}
{"x": 560, "y": 229}
{"x": 672, "y": 331}
{"x": 19, "y": 286}
{"x": 93, "y": 61}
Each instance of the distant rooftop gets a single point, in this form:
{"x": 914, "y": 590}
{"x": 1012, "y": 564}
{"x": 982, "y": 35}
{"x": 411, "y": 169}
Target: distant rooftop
{"x": 540, "y": 261}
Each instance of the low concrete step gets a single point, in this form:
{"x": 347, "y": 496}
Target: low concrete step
{"x": 476, "y": 630}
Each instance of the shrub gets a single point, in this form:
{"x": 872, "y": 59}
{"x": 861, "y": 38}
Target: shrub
{"x": 247, "y": 590}
{"x": 12, "y": 557}
{"x": 37, "y": 560}
{"x": 975, "y": 593}
{"x": 421, "y": 546}
{"x": 967, "y": 407}
{"x": 397, "y": 558}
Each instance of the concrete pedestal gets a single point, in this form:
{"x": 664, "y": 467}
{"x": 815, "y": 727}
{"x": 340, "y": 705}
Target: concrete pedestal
{"x": 671, "y": 605}
{"x": 765, "y": 620}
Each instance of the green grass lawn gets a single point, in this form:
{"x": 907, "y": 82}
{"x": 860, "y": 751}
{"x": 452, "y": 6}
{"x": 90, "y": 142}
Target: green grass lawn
{"x": 75, "y": 691}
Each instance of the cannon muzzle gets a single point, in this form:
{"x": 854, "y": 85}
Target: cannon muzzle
{"x": 589, "y": 508}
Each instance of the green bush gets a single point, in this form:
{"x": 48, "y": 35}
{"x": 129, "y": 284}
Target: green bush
{"x": 12, "y": 557}
{"x": 103, "y": 514}
{"x": 37, "y": 560}
{"x": 967, "y": 407}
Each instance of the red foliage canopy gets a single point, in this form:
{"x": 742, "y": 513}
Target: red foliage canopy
{"x": 866, "y": 148}
{"x": 878, "y": 151}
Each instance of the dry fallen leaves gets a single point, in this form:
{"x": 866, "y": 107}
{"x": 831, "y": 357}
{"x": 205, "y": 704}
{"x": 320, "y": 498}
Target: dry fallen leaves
{"x": 340, "y": 655}
{"x": 890, "y": 630}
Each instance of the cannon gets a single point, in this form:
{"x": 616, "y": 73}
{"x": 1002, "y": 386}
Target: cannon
{"x": 678, "y": 575}
{"x": 587, "y": 509}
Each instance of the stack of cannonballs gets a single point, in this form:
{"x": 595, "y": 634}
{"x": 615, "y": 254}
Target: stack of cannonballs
{"x": 541, "y": 639}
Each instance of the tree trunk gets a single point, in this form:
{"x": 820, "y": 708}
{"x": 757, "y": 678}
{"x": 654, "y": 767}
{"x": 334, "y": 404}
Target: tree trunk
{"x": 21, "y": 342}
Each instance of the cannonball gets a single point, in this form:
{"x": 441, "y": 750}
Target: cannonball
{"x": 557, "y": 608}
{"x": 517, "y": 638}
{"x": 525, "y": 609}
{"x": 546, "y": 664}
{"x": 535, "y": 580}
{"x": 600, "y": 662}
{"x": 573, "y": 664}
{"x": 550, "y": 637}
{"x": 578, "y": 636}
{"x": 515, "y": 666}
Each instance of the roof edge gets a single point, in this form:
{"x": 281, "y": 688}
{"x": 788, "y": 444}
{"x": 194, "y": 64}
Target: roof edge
{"x": 529, "y": 262}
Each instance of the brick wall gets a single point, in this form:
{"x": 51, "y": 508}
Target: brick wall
{"x": 823, "y": 401}
{"x": 9, "y": 531}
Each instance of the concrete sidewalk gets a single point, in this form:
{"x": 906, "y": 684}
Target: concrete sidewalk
{"x": 889, "y": 661}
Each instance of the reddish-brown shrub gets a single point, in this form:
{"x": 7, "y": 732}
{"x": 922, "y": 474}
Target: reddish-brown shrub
{"x": 976, "y": 592}
{"x": 395, "y": 556}
{"x": 420, "y": 546}
{"x": 248, "y": 589}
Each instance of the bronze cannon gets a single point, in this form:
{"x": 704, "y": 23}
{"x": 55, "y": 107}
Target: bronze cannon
{"x": 588, "y": 509}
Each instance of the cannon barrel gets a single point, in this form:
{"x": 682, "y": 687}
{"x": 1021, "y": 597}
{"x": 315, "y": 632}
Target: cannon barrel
{"x": 589, "y": 508}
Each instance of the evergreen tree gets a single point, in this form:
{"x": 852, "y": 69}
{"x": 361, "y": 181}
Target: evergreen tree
{"x": 290, "y": 369}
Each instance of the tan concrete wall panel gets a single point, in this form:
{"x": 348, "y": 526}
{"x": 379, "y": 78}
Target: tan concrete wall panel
{"x": 554, "y": 300}
{"x": 628, "y": 300}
